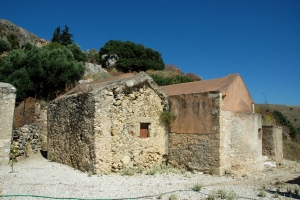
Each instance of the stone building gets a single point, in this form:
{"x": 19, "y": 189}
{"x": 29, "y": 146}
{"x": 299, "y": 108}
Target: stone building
{"x": 108, "y": 125}
{"x": 215, "y": 130}
{"x": 7, "y": 107}
{"x": 272, "y": 143}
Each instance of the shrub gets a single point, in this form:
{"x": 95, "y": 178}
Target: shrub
{"x": 14, "y": 42}
{"x": 127, "y": 172}
{"x": 222, "y": 194}
{"x": 161, "y": 81}
{"x": 4, "y": 46}
{"x": 193, "y": 76}
{"x": 99, "y": 76}
{"x": 167, "y": 117}
{"x": 231, "y": 195}
{"x": 90, "y": 173}
{"x": 173, "y": 197}
{"x": 173, "y": 68}
{"x": 262, "y": 193}
{"x": 24, "y": 112}
{"x": 151, "y": 171}
{"x": 52, "y": 156}
{"x": 40, "y": 72}
{"x": 282, "y": 120}
{"x": 132, "y": 57}
{"x": 197, "y": 187}
{"x": 211, "y": 195}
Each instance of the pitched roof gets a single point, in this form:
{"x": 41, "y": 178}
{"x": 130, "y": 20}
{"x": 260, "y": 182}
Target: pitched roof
{"x": 218, "y": 84}
{"x": 100, "y": 83}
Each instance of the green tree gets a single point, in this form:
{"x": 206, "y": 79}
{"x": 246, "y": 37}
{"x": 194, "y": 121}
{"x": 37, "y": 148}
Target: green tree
{"x": 40, "y": 72}
{"x": 12, "y": 70}
{"x": 4, "y": 46}
{"x": 93, "y": 56}
{"x": 66, "y": 37}
{"x": 63, "y": 37}
{"x": 132, "y": 57}
{"x": 56, "y": 35}
{"x": 14, "y": 42}
{"x": 78, "y": 54}
{"x": 282, "y": 120}
{"x": 54, "y": 45}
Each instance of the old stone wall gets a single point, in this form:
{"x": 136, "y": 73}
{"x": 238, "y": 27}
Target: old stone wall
{"x": 272, "y": 143}
{"x": 7, "y": 106}
{"x": 26, "y": 140}
{"x": 241, "y": 135}
{"x": 198, "y": 152}
{"x": 119, "y": 112}
{"x": 96, "y": 127}
{"x": 71, "y": 131}
{"x": 194, "y": 140}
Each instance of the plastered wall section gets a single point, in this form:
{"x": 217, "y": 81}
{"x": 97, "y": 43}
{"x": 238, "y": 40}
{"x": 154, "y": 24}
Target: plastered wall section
{"x": 238, "y": 98}
{"x": 119, "y": 110}
{"x": 241, "y": 142}
{"x": 7, "y": 106}
{"x": 194, "y": 140}
{"x": 71, "y": 131}
{"x": 272, "y": 143}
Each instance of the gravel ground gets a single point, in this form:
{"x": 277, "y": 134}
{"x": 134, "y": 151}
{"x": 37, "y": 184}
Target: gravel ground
{"x": 37, "y": 176}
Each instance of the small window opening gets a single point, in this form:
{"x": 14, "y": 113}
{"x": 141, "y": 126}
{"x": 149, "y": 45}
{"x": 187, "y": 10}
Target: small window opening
{"x": 144, "y": 130}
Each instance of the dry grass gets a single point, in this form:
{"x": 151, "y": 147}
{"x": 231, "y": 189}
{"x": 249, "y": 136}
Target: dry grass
{"x": 292, "y": 113}
{"x": 291, "y": 150}
{"x": 164, "y": 74}
{"x": 24, "y": 112}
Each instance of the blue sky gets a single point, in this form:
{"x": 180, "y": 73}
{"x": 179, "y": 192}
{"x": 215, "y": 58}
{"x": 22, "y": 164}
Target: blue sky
{"x": 259, "y": 39}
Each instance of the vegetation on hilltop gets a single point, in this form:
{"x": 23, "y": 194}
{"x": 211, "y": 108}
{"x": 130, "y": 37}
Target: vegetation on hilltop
{"x": 63, "y": 37}
{"x": 172, "y": 75}
{"x": 131, "y": 57}
{"x": 48, "y": 71}
{"x": 275, "y": 117}
{"x": 285, "y": 116}
{"x": 16, "y": 35}
{"x": 40, "y": 72}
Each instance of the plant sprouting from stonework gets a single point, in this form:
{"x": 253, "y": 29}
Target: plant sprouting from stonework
{"x": 52, "y": 156}
{"x": 12, "y": 162}
{"x": 167, "y": 117}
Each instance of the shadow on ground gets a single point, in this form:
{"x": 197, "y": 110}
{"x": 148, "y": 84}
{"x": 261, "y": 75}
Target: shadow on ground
{"x": 294, "y": 181}
{"x": 284, "y": 194}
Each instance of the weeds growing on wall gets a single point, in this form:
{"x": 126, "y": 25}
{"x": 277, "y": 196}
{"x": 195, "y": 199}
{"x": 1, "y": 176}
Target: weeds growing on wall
{"x": 167, "y": 117}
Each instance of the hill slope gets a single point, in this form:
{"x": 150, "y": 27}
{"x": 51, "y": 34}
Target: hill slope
{"x": 7, "y": 28}
{"x": 291, "y": 112}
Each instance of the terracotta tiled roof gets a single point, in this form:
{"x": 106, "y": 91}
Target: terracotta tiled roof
{"x": 217, "y": 84}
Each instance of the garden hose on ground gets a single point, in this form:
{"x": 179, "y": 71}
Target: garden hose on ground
{"x": 71, "y": 198}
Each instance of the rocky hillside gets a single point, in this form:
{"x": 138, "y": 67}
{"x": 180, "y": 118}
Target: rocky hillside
{"x": 7, "y": 28}
{"x": 292, "y": 113}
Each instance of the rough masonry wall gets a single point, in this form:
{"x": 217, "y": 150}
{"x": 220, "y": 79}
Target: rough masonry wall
{"x": 272, "y": 143}
{"x": 70, "y": 131}
{"x": 119, "y": 111}
{"x": 7, "y": 106}
{"x": 198, "y": 147}
{"x": 242, "y": 133}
